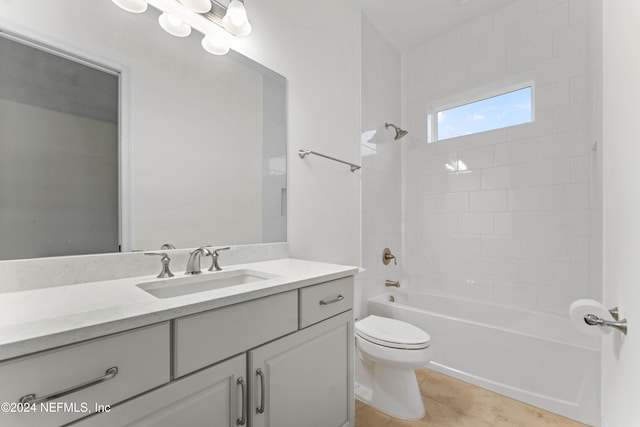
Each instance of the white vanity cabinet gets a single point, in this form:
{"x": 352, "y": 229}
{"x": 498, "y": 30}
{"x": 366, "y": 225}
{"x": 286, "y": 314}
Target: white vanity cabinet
{"x": 302, "y": 379}
{"x": 305, "y": 379}
{"x": 282, "y": 360}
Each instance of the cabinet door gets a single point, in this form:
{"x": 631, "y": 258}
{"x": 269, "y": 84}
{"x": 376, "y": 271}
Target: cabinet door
{"x": 211, "y": 397}
{"x": 306, "y": 378}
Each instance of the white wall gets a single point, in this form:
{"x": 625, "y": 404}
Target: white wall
{"x": 516, "y": 228}
{"x": 381, "y": 196}
{"x": 621, "y": 354}
{"x": 316, "y": 46}
{"x": 320, "y": 59}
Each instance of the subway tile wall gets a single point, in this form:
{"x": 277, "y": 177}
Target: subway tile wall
{"x": 520, "y": 227}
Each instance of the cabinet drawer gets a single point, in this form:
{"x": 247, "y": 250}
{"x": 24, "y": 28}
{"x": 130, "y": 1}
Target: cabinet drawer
{"x": 321, "y": 301}
{"x": 206, "y": 338}
{"x": 141, "y": 357}
{"x": 212, "y": 397}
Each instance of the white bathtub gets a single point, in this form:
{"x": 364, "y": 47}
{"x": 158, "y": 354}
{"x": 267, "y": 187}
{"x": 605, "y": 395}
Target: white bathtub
{"x": 536, "y": 358}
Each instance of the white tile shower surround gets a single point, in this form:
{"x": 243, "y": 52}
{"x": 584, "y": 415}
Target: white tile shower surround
{"x": 521, "y": 227}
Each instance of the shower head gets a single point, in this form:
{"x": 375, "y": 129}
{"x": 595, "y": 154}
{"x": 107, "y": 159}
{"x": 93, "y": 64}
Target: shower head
{"x": 399, "y": 132}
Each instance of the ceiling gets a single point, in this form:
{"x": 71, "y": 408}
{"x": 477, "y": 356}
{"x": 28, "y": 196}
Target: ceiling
{"x": 409, "y": 23}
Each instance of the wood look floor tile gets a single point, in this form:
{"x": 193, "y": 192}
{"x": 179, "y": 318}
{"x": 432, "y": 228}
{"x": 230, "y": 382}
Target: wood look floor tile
{"x": 463, "y": 398}
{"x": 422, "y": 374}
{"x": 450, "y": 402}
{"x": 367, "y": 416}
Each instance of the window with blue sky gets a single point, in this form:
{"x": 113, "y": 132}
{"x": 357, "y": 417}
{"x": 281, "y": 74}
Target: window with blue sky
{"x": 508, "y": 109}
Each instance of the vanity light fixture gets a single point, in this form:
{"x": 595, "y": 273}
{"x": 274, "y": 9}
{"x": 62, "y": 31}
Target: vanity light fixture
{"x": 133, "y": 6}
{"x": 180, "y": 16}
{"x": 173, "y": 25}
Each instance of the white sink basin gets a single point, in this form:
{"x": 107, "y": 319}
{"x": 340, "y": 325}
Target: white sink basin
{"x": 178, "y": 286}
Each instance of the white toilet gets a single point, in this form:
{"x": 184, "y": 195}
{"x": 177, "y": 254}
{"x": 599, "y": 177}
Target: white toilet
{"x": 387, "y": 353}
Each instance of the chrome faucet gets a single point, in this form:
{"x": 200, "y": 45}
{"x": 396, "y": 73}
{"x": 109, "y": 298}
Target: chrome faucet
{"x": 193, "y": 264}
{"x": 165, "y": 260}
{"x": 167, "y": 246}
{"x": 214, "y": 259}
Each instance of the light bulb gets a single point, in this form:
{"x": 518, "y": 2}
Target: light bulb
{"x": 214, "y": 45}
{"x": 235, "y": 20}
{"x": 173, "y": 21}
{"x": 173, "y": 25}
{"x": 237, "y": 13}
{"x": 199, "y": 6}
{"x": 133, "y": 6}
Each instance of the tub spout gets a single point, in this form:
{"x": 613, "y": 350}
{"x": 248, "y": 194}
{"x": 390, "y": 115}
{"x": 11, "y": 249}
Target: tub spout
{"x": 394, "y": 283}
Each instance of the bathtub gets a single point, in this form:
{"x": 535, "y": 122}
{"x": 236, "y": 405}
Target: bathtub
{"x": 536, "y": 358}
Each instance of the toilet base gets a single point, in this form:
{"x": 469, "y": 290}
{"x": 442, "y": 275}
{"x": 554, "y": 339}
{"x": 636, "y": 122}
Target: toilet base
{"x": 389, "y": 389}
{"x": 396, "y": 392}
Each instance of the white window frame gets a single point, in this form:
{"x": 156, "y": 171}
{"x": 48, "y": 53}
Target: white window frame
{"x": 476, "y": 94}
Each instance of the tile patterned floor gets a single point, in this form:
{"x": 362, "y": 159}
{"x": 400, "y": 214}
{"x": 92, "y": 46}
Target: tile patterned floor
{"x": 450, "y": 402}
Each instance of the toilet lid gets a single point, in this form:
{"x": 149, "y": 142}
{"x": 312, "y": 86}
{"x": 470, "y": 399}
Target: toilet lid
{"x": 391, "y": 333}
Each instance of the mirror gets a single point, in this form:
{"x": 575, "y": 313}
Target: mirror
{"x": 201, "y": 158}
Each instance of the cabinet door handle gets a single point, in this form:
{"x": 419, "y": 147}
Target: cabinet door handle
{"x": 260, "y": 374}
{"x": 33, "y": 399}
{"x": 331, "y": 301}
{"x": 240, "y": 421}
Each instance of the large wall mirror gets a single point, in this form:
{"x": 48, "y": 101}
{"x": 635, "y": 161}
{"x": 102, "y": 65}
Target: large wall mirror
{"x": 117, "y": 136}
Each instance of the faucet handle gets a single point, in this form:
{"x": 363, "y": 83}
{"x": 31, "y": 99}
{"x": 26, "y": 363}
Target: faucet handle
{"x": 387, "y": 256}
{"x": 165, "y": 260}
{"x": 215, "y": 252}
{"x": 167, "y": 246}
{"x": 214, "y": 259}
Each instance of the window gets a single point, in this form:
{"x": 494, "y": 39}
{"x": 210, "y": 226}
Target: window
{"x": 506, "y": 109}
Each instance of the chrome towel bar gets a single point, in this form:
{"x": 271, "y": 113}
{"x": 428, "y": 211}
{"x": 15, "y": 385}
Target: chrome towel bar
{"x": 303, "y": 153}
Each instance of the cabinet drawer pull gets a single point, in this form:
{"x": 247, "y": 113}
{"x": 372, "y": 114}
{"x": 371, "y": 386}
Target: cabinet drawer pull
{"x": 240, "y": 421}
{"x": 331, "y": 301}
{"x": 32, "y": 399}
{"x": 260, "y": 374}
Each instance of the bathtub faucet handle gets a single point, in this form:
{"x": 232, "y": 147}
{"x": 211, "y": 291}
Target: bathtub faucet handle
{"x": 387, "y": 256}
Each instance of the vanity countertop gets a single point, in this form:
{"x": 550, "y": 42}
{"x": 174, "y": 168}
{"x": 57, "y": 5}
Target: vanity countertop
{"x": 40, "y": 319}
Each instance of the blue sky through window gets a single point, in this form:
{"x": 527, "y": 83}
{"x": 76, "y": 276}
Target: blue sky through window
{"x": 507, "y": 109}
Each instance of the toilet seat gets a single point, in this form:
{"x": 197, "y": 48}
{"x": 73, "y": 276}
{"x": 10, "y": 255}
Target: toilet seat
{"x": 392, "y": 333}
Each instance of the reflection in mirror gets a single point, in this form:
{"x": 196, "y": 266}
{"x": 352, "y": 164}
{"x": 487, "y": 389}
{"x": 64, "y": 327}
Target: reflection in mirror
{"x": 58, "y": 154}
{"x": 202, "y": 139}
